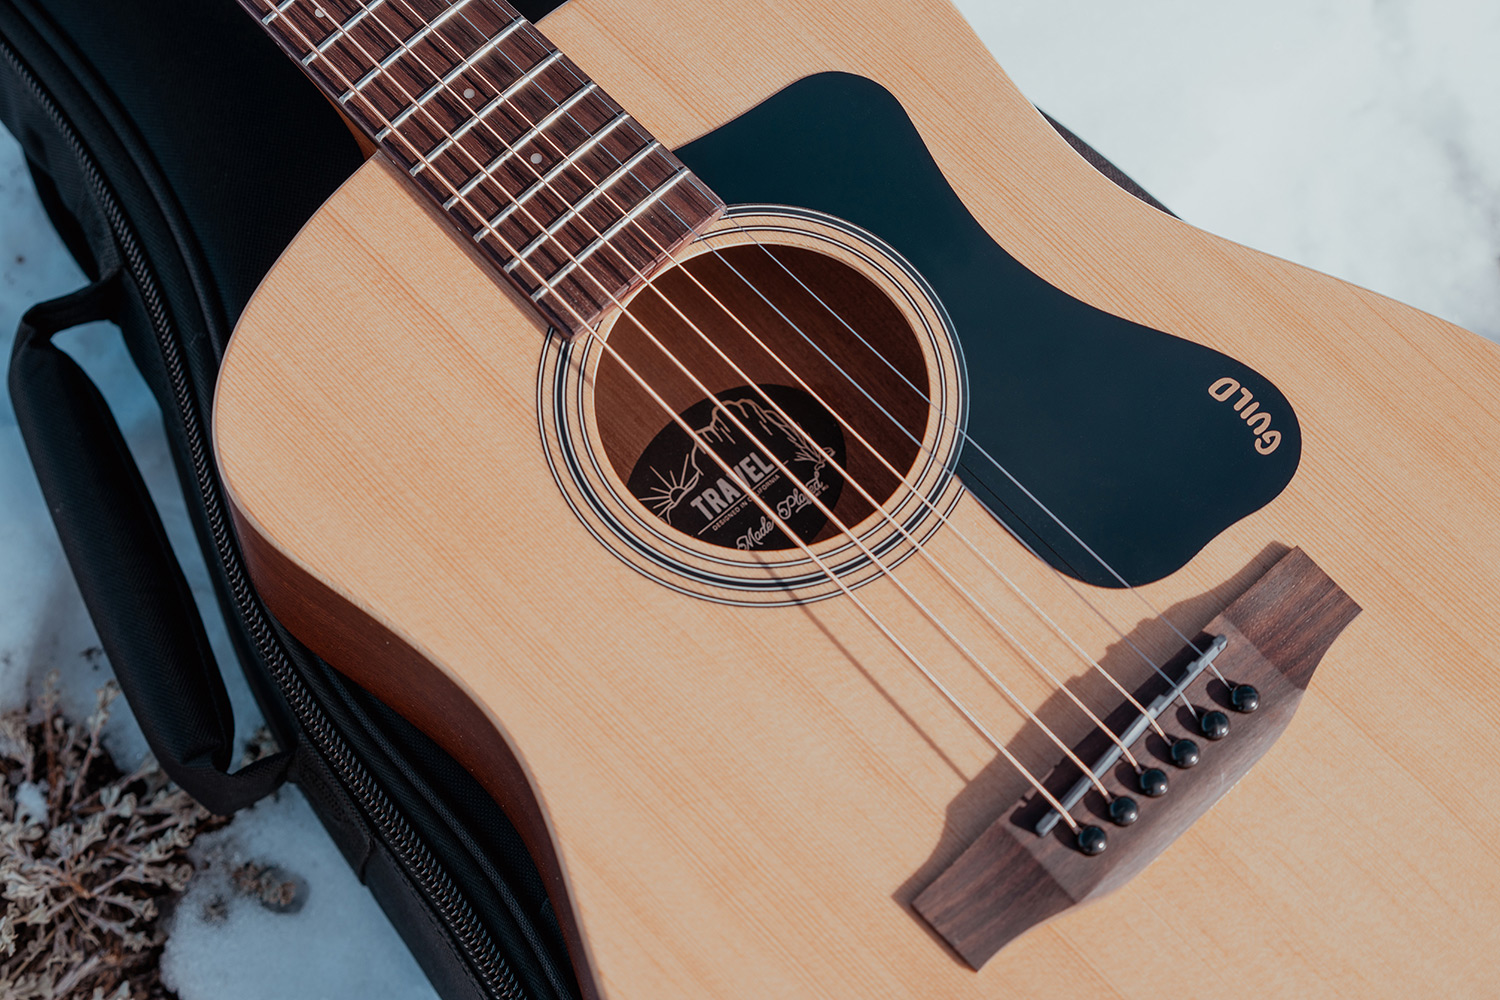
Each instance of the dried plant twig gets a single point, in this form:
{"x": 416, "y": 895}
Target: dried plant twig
{"x": 88, "y": 855}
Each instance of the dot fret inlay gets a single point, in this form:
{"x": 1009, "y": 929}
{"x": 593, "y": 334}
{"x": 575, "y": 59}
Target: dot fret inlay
{"x": 565, "y": 194}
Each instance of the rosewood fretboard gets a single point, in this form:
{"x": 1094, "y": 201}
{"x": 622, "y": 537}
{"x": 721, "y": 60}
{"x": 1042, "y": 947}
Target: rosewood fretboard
{"x": 565, "y": 193}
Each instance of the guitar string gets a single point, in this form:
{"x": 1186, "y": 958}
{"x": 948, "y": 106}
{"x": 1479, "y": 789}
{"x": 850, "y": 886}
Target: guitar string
{"x": 278, "y": 11}
{"x": 1000, "y": 627}
{"x": 943, "y": 518}
{"x": 984, "y": 731}
{"x": 942, "y": 415}
{"x": 963, "y": 647}
{"x": 1156, "y": 613}
{"x": 749, "y": 491}
{"x": 405, "y": 46}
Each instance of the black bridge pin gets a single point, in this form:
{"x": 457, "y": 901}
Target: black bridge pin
{"x": 1215, "y": 725}
{"x": 1244, "y": 698}
{"x": 1154, "y": 782}
{"x": 1185, "y": 753}
{"x": 1123, "y": 810}
{"x": 1092, "y": 840}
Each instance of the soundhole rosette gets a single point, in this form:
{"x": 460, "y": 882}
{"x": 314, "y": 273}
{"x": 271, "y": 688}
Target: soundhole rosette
{"x": 821, "y": 324}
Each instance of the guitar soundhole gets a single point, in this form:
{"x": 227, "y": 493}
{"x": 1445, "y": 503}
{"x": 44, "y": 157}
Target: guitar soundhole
{"x": 820, "y": 371}
{"x": 779, "y": 406}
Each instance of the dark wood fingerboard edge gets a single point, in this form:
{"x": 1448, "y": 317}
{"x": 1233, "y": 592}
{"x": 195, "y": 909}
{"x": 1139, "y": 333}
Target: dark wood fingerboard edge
{"x": 564, "y": 194}
{"x": 1010, "y": 879}
{"x": 379, "y": 661}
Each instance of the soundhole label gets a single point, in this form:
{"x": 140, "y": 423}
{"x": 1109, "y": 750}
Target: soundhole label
{"x": 678, "y": 479}
{"x": 729, "y": 484}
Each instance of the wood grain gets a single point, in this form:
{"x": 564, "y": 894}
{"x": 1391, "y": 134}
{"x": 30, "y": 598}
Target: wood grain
{"x": 466, "y": 97}
{"x": 745, "y": 801}
{"x": 398, "y": 675}
{"x": 1011, "y": 879}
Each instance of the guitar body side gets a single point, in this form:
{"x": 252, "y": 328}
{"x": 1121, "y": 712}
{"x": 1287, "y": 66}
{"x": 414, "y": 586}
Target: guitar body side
{"x": 742, "y": 802}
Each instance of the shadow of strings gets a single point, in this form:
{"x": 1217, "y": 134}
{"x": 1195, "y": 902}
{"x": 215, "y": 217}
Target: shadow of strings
{"x": 278, "y": 11}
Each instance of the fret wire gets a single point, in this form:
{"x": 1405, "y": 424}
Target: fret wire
{"x": 514, "y": 147}
{"x": 545, "y": 181}
{"x": 635, "y": 127}
{"x": 277, "y": 11}
{"x": 556, "y": 282}
{"x": 442, "y": 85}
{"x": 653, "y": 197}
{"x": 546, "y": 285}
{"x": 405, "y": 47}
{"x": 341, "y": 32}
{"x": 615, "y": 230}
{"x": 374, "y": 73}
{"x": 496, "y": 101}
{"x": 573, "y": 211}
{"x": 598, "y": 189}
{"x": 640, "y": 133}
{"x": 436, "y": 23}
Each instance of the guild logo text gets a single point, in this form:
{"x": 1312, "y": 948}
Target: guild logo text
{"x": 1258, "y": 420}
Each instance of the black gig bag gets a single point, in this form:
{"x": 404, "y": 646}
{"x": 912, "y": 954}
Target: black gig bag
{"x": 177, "y": 151}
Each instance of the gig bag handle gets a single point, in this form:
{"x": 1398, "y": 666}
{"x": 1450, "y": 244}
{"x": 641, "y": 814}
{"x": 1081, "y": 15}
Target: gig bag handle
{"x": 132, "y": 583}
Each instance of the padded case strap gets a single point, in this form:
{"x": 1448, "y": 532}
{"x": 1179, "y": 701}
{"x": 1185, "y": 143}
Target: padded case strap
{"x": 131, "y": 582}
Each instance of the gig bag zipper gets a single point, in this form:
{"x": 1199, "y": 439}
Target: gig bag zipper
{"x": 405, "y": 845}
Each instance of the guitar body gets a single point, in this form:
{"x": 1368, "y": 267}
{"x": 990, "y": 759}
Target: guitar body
{"x": 739, "y": 790}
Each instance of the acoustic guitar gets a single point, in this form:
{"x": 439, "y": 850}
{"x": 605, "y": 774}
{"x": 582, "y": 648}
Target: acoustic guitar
{"x": 847, "y": 533}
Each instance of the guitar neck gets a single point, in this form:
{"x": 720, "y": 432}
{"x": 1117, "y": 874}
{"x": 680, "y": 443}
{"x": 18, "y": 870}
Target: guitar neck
{"x": 561, "y": 190}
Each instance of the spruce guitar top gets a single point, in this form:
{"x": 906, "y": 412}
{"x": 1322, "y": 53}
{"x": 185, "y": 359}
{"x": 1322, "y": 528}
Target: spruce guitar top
{"x": 845, "y": 532}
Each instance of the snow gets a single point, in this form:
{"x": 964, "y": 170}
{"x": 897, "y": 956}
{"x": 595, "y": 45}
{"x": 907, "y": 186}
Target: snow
{"x": 43, "y": 624}
{"x": 339, "y": 945}
{"x": 1358, "y": 139}
{"x": 31, "y": 802}
{"x": 226, "y": 945}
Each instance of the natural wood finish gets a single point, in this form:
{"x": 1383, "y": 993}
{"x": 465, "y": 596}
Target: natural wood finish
{"x": 514, "y": 142}
{"x": 1011, "y": 879}
{"x": 744, "y": 801}
{"x": 340, "y": 633}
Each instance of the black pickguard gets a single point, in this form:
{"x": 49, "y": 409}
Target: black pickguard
{"x": 1108, "y": 423}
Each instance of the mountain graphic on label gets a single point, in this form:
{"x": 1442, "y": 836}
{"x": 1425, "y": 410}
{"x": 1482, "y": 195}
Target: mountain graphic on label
{"x": 678, "y": 479}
